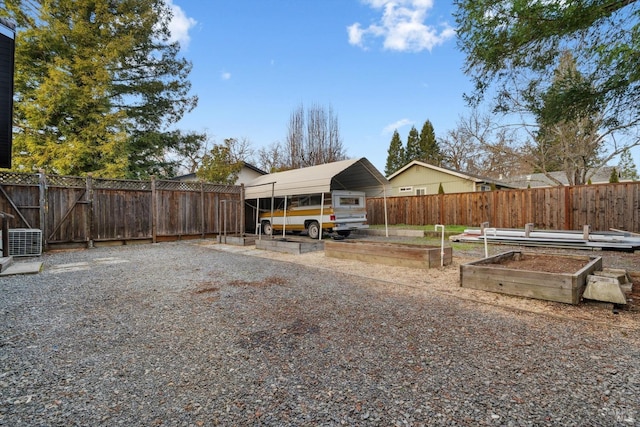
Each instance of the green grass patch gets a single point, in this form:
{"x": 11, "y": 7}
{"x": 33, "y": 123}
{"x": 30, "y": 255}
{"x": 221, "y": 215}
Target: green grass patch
{"x": 447, "y": 228}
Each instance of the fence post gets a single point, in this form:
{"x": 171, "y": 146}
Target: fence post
{"x": 202, "y": 221}
{"x": 88, "y": 217}
{"x": 154, "y": 206}
{"x": 42, "y": 205}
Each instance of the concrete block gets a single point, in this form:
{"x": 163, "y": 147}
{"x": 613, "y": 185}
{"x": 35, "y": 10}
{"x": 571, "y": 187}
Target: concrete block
{"x": 604, "y": 289}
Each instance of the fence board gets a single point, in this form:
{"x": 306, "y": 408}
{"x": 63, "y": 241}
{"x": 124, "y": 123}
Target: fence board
{"x": 601, "y": 206}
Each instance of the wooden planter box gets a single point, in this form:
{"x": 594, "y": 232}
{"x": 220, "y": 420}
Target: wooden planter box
{"x": 405, "y": 255}
{"x": 487, "y": 275}
{"x": 296, "y": 247}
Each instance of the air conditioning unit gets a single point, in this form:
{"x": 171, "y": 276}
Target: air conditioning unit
{"x": 24, "y": 241}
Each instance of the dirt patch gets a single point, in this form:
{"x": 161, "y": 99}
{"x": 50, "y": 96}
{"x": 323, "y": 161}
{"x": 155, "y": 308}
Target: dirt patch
{"x": 544, "y": 263}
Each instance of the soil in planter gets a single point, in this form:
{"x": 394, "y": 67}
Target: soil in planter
{"x": 545, "y": 263}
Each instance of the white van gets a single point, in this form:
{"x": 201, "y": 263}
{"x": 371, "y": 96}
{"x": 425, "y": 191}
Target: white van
{"x": 341, "y": 212}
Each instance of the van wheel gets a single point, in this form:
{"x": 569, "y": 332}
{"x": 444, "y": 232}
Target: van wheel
{"x": 266, "y": 228}
{"x": 314, "y": 230}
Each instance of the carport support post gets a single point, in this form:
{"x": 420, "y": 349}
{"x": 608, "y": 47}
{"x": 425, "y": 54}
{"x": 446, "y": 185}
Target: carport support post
{"x": 242, "y": 213}
{"x": 273, "y": 189}
{"x": 284, "y": 218}
{"x": 321, "y": 214}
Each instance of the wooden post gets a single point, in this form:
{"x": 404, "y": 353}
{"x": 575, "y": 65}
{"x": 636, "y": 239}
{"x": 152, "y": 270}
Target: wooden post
{"x": 202, "y": 221}
{"x": 154, "y": 215}
{"x": 5, "y": 236}
{"x": 42, "y": 204}
{"x": 89, "y": 214}
{"x": 242, "y": 218}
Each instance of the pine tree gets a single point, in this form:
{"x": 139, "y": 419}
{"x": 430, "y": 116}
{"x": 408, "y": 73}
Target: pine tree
{"x": 613, "y": 178}
{"x": 429, "y": 145}
{"x": 440, "y": 189}
{"x": 627, "y": 167}
{"x": 413, "y": 150}
{"x": 97, "y": 85}
{"x": 395, "y": 155}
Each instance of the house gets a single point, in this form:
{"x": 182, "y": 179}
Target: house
{"x": 248, "y": 173}
{"x": 538, "y": 180}
{"x": 420, "y": 178}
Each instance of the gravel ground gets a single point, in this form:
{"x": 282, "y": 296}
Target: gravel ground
{"x": 198, "y": 334}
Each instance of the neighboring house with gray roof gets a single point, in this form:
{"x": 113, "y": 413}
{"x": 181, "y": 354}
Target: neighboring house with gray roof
{"x": 537, "y": 180}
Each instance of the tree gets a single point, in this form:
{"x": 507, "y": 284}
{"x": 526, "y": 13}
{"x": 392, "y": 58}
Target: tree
{"x": 568, "y": 137}
{"x": 508, "y": 42}
{"x": 429, "y": 145}
{"x": 613, "y": 178}
{"x": 313, "y": 140}
{"x": 395, "y": 155}
{"x": 514, "y": 48}
{"x": 271, "y": 158}
{"x": 627, "y": 168}
{"x": 224, "y": 161}
{"x": 478, "y": 145}
{"x": 97, "y": 86}
{"x": 440, "y": 189}
{"x": 413, "y": 150}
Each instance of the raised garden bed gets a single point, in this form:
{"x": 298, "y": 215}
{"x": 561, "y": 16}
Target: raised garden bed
{"x": 560, "y": 278}
{"x": 406, "y": 255}
{"x": 290, "y": 246}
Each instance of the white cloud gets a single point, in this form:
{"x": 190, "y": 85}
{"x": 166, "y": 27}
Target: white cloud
{"x": 225, "y": 75}
{"x": 402, "y": 26}
{"x": 396, "y": 125}
{"x": 180, "y": 25}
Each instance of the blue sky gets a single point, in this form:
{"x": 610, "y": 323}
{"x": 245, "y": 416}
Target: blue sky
{"x": 378, "y": 67}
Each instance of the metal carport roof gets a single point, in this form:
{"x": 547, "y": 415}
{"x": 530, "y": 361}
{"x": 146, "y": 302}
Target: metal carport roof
{"x": 353, "y": 174}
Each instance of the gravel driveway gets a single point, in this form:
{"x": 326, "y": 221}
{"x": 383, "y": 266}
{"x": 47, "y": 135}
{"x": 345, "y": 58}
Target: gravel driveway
{"x": 185, "y": 334}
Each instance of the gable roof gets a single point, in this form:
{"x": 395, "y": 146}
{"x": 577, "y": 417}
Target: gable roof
{"x": 534, "y": 180}
{"x": 470, "y": 177}
{"x": 353, "y": 174}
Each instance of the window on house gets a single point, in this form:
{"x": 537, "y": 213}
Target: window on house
{"x": 421, "y": 191}
{"x": 406, "y": 189}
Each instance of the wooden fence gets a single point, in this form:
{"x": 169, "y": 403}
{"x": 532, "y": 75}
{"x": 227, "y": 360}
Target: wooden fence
{"x": 86, "y": 211}
{"x": 602, "y": 206}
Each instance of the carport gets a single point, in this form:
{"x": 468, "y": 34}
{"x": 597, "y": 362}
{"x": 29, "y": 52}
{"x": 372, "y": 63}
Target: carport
{"x": 352, "y": 174}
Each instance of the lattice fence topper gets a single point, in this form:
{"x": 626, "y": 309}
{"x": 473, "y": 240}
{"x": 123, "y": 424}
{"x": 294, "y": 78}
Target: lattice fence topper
{"x": 197, "y": 186}
{"x": 17, "y": 178}
{"x": 121, "y": 184}
{"x": 65, "y": 181}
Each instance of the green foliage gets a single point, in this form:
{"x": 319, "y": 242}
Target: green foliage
{"x": 220, "y": 165}
{"x": 395, "y": 155}
{"x": 97, "y": 84}
{"x": 569, "y": 118}
{"x": 589, "y": 182}
{"x": 413, "y": 150}
{"x": 613, "y": 178}
{"x": 627, "y": 167}
{"x": 440, "y": 189}
{"x": 512, "y": 49}
{"x": 429, "y": 145}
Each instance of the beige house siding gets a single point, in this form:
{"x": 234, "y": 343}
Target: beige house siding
{"x": 417, "y": 178}
{"x": 246, "y": 175}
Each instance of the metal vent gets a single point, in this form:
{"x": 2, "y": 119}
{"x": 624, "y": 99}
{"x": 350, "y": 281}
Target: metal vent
{"x": 25, "y": 242}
